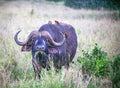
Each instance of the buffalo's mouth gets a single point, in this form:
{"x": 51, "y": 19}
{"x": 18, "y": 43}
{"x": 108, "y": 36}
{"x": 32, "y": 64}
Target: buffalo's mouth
{"x": 39, "y": 52}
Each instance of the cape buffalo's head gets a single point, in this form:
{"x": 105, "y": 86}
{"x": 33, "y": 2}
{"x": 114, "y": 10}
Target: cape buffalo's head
{"x": 38, "y": 41}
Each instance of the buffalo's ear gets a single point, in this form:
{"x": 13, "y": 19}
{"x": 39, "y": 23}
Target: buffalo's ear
{"x": 26, "y": 48}
{"x": 53, "y": 50}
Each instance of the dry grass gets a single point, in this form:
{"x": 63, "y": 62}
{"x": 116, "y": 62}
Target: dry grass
{"x": 92, "y": 26}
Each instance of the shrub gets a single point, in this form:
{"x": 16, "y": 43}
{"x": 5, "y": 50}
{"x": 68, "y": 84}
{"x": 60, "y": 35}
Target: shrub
{"x": 116, "y": 72}
{"x": 95, "y": 62}
{"x": 55, "y": 0}
{"x": 93, "y": 4}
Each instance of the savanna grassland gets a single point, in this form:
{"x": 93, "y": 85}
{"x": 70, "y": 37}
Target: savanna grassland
{"x": 101, "y": 27}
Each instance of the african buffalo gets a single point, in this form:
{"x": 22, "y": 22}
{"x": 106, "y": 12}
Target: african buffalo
{"x": 57, "y": 42}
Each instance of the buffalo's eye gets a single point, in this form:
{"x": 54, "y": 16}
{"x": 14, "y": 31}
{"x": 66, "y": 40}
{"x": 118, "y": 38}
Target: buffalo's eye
{"x": 33, "y": 40}
{"x": 47, "y": 42}
{"x": 30, "y": 42}
{"x": 36, "y": 42}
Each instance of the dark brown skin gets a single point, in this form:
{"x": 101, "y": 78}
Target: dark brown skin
{"x": 71, "y": 41}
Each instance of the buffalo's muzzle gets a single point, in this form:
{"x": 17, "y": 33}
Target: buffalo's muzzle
{"x": 40, "y": 48}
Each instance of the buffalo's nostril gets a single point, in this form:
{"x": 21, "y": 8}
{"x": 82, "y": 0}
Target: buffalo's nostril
{"x": 40, "y": 47}
{"x": 37, "y": 47}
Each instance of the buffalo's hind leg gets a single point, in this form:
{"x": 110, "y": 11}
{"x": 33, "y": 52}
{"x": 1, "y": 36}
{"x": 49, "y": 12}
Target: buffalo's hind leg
{"x": 67, "y": 61}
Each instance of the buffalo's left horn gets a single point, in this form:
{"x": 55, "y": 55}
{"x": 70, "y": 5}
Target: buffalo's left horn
{"x": 50, "y": 39}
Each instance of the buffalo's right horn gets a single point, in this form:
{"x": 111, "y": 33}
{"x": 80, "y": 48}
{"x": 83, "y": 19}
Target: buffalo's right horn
{"x": 32, "y": 34}
{"x": 16, "y": 39}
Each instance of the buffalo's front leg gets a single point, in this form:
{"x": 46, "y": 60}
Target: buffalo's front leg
{"x": 37, "y": 68}
{"x": 36, "y": 65}
{"x": 58, "y": 62}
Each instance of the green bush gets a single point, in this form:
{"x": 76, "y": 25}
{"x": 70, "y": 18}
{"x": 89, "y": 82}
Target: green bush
{"x": 93, "y": 4}
{"x": 116, "y": 72}
{"x": 55, "y": 0}
{"x": 95, "y": 62}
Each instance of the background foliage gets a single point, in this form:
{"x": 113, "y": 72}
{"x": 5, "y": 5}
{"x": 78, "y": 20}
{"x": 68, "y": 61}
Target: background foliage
{"x": 91, "y": 4}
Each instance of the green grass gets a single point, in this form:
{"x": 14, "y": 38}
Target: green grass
{"x": 92, "y": 26}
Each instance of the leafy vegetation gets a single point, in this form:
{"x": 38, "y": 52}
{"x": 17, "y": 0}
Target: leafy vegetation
{"x": 116, "y": 71}
{"x": 93, "y": 4}
{"x": 95, "y": 62}
{"x": 98, "y": 64}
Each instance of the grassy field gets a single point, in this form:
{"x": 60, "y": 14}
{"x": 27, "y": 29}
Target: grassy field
{"x": 92, "y": 26}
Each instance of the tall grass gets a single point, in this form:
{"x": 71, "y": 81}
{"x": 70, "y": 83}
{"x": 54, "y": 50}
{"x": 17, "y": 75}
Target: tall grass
{"x": 92, "y": 26}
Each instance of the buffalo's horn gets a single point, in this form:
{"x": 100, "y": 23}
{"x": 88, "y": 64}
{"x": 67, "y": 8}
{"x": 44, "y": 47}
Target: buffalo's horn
{"x": 32, "y": 34}
{"x": 50, "y": 39}
{"x": 16, "y": 39}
